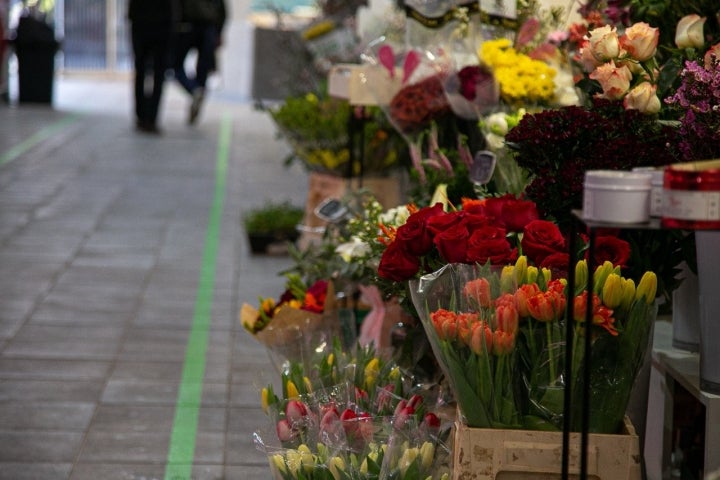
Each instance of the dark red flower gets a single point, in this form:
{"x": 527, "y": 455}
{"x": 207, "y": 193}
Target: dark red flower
{"x": 612, "y": 249}
{"x": 397, "y": 264}
{"x": 540, "y": 239}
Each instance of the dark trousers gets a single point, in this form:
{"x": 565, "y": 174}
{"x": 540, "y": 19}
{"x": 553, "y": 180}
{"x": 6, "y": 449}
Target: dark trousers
{"x": 151, "y": 45}
{"x": 202, "y": 38}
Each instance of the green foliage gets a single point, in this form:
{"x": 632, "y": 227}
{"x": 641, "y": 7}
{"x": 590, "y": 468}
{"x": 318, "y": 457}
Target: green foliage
{"x": 273, "y": 217}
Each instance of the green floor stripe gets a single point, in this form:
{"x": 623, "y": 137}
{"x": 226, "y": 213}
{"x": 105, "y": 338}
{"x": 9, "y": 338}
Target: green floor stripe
{"x": 35, "y": 139}
{"x": 182, "y": 441}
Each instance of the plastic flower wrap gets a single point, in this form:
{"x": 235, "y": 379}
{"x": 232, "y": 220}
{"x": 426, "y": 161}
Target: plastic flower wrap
{"x": 409, "y": 89}
{"x": 472, "y": 91}
{"x": 498, "y": 334}
{"x": 293, "y": 326}
{"x": 343, "y": 432}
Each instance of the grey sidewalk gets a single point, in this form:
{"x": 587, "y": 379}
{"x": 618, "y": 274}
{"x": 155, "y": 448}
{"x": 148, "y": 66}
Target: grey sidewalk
{"x": 102, "y": 235}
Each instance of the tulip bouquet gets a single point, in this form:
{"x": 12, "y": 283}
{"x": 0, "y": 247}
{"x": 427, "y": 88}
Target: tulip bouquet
{"x": 498, "y": 335}
{"x": 342, "y": 432}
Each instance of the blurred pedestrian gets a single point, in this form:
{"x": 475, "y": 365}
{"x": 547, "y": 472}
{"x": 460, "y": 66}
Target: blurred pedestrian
{"x": 152, "y": 24}
{"x": 200, "y": 29}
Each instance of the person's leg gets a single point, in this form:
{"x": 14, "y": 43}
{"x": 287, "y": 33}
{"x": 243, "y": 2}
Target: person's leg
{"x": 183, "y": 45}
{"x": 159, "y": 58}
{"x": 207, "y": 39}
{"x": 140, "y": 62}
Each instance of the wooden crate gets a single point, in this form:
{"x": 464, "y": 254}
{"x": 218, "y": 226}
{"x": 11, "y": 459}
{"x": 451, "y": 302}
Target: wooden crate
{"x": 488, "y": 454}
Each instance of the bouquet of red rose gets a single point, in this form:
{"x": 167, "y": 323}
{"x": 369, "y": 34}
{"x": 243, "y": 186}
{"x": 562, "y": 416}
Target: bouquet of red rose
{"x": 412, "y": 96}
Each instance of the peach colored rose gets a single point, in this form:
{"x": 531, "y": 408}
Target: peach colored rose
{"x": 640, "y": 41}
{"x": 643, "y": 98}
{"x": 587, "y": 59}
{"x": 689, "y": 32}
{"x": 712, "y": 51}
{"x": 615, "y": 81}
{"x": 604, "y": 43}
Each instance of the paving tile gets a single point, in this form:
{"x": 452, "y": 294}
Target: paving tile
{"x": 160, "y": 393}
{"x": 132, "y": 448}
{"x": 144, "y": 472}
{"x": 63, "y": 416}
{"x": 135, "y": 370}
{"x": 34, "y": 471}
{"x": 49, "y": 390}
{"x": 71, "y": 316}
{"x": 53, "y": 369}
{"x": 152, "y": 418}
{"x": 90, "y": 275}
{"x": 39, "y": 446}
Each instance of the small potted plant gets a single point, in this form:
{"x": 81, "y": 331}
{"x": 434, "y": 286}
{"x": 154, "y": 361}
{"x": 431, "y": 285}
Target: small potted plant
{"x": 272, "y": 223}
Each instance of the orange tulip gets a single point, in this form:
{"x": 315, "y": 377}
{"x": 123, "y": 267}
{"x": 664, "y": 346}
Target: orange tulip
{"x": 478, "y": 291}
{"x": 482, "y": 338}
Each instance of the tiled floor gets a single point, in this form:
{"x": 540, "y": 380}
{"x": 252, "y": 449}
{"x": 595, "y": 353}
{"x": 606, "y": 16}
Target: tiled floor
{"x": 103, "y": 238}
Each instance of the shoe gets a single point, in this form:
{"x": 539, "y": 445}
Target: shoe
{"x": 197, "y": 100}
{"x": 147, "y": 127}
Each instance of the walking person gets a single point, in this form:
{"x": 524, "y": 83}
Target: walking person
{"x": 152, "y": 24}
{"x": 200, "y": 28}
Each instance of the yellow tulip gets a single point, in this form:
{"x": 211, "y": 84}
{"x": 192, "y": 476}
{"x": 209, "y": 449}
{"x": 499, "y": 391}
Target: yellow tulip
{"x": 292, "y": 391}
{"x": 336, "y": 465}
{"x": 521, "y": 271}
{"x": 647, "y": 288}
{"x": 372, "y": 371}
{"x": 331, "y": 358}
{"x": 581, "y": 275}
{"x": 279, "y": 463}
{"x": 612, "y": 293}
{"x": 507, "y": 279}
{"x": 308, "y": 385}
{"x": 628, "y": 293}
{"x": 601, "y": 274}
{"x": 532, "y": 274}
{"x": 264, "y": 394}
{"x": 427, "y": 452}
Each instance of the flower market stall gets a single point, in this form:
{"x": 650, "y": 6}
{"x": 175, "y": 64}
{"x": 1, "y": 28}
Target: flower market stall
{"x": 488, "y": 315}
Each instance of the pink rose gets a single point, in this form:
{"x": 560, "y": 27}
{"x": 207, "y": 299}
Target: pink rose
{"x": 615, "y": 81}
{"x": 689, "y": 32}
{"x": 604, "y": 43}
{"x": 643, "y": 98}
{"x": 640, "y": 41}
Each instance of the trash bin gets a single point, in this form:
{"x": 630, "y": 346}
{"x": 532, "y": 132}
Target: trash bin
{"x": 35, "y": 47}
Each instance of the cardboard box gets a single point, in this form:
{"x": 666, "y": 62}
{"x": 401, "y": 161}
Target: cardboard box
{"x": 488, "y": 454}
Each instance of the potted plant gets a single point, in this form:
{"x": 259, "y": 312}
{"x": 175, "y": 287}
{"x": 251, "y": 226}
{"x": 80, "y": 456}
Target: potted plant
{"x": 271, "y": 223}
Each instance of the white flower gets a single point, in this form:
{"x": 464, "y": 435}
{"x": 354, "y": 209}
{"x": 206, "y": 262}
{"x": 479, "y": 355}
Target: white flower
{"x": 497, "y": 124}
{"x": 355, "y": 248}
{"x": 395, "y": 216}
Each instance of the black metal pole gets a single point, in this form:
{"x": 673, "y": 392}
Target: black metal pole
{"x": 587, "y": 367}
{"x": 569, "y": 321}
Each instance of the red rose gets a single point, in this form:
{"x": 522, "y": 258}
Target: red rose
{"x": 490, "y": 243}
{"x": 414, "y": 234}
{"x": 397, "y": 264}
{"x": 440, "y": 223}
{"x": 516, "y": 214}
{"x": 508, "y": 211}
{"x": 611, "y": 249}
{"x": 557, "y": 263}
{"x": 452, "y": 243}
{"x": 540, "y": 239}
{"x": 415, "y": 238}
